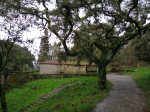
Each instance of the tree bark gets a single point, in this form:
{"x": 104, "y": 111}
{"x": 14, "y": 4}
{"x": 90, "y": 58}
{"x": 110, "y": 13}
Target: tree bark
{"x": 3, "y": 98}
{"x": 101, "y": 84}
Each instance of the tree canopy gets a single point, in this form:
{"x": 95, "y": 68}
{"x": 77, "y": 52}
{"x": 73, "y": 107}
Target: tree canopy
{"x": 21, "y": 59}
{"x": 102, "y": 26}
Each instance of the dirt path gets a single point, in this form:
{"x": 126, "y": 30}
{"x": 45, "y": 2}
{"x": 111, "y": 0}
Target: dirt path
{"x": 125, "y": 96}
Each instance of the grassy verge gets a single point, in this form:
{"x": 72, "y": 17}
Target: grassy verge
{"x": 142, "y": 78}
{"x": 78, "y": 98}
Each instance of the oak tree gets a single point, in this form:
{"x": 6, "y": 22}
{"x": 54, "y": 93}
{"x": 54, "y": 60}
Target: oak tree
{"x": 103, "y": 26}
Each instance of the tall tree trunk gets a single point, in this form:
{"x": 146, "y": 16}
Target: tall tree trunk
{"x": 101, "y": 84}
{"x": 2, "y": 97}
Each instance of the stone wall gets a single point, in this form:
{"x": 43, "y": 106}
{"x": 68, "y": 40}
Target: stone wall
{"x": 65, "y": 69}
{"x": 49, "y": 69}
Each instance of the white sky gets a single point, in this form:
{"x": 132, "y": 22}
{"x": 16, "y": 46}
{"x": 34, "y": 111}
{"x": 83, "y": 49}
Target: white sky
{"x": 35, "y": 33}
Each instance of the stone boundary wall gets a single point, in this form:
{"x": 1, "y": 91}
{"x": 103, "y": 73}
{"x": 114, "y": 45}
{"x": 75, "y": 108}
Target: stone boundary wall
{"x": 66, "y": 69}
{"x": 44, "y": 76}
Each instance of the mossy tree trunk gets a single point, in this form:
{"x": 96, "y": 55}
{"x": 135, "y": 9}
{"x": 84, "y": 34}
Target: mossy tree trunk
{"x": 101, "y": 84}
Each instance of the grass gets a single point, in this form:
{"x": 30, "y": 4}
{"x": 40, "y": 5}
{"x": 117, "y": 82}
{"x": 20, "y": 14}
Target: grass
{"x": 142, "y": 78}
{"x": 35, "y": 72}
{"x": 78, "y": 98}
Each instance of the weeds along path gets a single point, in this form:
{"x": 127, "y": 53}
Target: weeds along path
{"x": 125, "y": 96}
{"x": 50, "y": 95}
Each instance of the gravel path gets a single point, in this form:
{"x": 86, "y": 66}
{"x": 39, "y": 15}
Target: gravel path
{"x": 125, "y": 96}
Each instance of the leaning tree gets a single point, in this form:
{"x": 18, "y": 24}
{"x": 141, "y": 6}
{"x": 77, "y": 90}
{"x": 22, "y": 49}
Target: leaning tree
{"x": 102, "y": 26}
{"x": 13, "y": 35}
{"x": 12, "y": 26}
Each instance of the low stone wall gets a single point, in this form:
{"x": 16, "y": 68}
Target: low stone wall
{"x": 44, "y": 76}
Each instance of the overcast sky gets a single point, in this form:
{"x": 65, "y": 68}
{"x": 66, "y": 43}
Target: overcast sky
{"x": 35, "y": 33}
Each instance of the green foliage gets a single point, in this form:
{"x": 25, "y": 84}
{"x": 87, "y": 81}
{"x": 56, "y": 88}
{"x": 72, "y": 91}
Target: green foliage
{"x": 44, "y": 47}
{"x": 57, "y": 53}
{"x": 62, "y": 56}
{"x": 142, "y": 48}
{"x": 35, "y": 72}
{"x": 126, "y": 55}
{"x": 21, "y": 58}
{"x": 138, "y": 71}
{"x": 142, "y": 78}
{"x": 80, "y": 97}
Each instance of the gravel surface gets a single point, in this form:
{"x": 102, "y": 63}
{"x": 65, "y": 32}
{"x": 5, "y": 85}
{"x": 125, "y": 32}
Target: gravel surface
{"x": 125, "y": 96}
